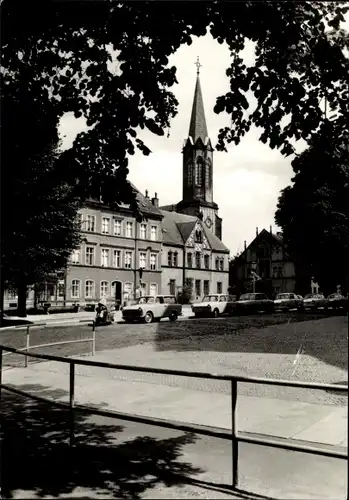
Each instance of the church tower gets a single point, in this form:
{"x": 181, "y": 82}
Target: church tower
{"x": 198, "y": 167}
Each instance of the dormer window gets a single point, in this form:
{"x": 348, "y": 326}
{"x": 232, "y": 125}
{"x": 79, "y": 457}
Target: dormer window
{"x": 198, "y": 236}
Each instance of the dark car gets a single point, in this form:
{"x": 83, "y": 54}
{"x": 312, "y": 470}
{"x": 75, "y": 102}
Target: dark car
{"x": 254, "y": 303}
{"x": 337, "y": 301}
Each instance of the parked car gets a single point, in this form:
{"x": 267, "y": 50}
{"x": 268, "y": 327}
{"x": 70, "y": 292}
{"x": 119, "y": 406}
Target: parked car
{"x": 337, "y": 301}
{"x": 287, "y": 301}
{"x": 254, "y": 302}
{"x": 150, "y": 308}
{"x": 214, "y": 305}
{"x": 315, "y": 301}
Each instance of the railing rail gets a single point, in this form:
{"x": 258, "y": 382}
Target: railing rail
{"x": 28, "y": 346}
{"x": 232, "y": 435}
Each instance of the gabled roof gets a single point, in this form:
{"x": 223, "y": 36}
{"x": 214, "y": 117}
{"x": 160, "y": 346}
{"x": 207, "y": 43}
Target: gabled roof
{"x": 145, "y": 204}
{"x": 178, "y": 227}
{"x": 198, "y": 127}
{"x": 277, "y": 238}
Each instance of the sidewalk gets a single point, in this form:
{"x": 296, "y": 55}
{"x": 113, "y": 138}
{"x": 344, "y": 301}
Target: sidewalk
{"x": 315, "y": 423}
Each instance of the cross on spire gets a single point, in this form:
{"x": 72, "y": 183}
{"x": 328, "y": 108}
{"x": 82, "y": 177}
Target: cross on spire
{"x": 198, "y": 66}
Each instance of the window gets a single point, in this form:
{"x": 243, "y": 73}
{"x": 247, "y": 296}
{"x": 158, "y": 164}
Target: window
{"x": 198, "y": 260}
{"x": 143, "y": 231}
{"x": 90, "y": 223}
{"x": 175, "y": 259}
{"x": 206, "y": 287}
{"x": 169, "y": 300}
{"x": 198, "y": 236}
{"x": 142, "y": 259}
{"x": 153, "y": 289}
{"x": 143, "y": 289}
{"x": 153, "y": 261}
{"x": 197, "y": 288}
{"x": 207, "y": 261}
{"x": 128, "y": 260}
{"x": 221, "y": 265}
{"x": 117, "y": 227}
{"x": 105, "y": 225}
{"x": 169, "y": 258}
{"x": 80, "y": 220}
{"x": 75, "y": 257}
{"x": 89, "y": 289}
{"x": 129, "y": 227}
{"x": 105, "y": 257}
{"x": 104, "y": 289}
{"x": 116, "y": 258}
{"x": 190, "y": 260}
{"x": 198, "y": 171}
{"x": 217, "y": 264}
{"x": 173, "y": 287}
{"x": 75, "y": 289}
{"x": 128, "y": 290}
{"x": 219, "y": 287}
{"x": 90, "y": 256}
{"x": 190, "y": 174}
{"x": 207, "y": 173}
{"x": 153, "y": 233}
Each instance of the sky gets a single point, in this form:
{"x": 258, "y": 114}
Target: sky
{"x": 246, "y": 180}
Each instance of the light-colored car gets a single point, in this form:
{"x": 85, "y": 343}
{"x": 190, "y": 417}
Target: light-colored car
{"x": 337, "y": 301}
{"x": 288, "y": 301}
{"x": 214, "y": 304}
{"x": 253, "y": 303}
{"x": 150, "y": 308}
{"x": 315, "y": 301}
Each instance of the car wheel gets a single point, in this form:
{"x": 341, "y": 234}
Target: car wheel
{"x": 215, "y": 313}
{"x": 149, "y": 318}
{"x": 173, "y": 316}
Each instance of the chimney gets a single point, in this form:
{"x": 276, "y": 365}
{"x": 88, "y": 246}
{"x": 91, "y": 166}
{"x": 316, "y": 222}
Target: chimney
{"x": 271, "y": 230}
{"x": 256, "y": 231}
{"x": 146, "y": 194}
{"x": 155, "y": 200}
{"x": 245, "y": 245}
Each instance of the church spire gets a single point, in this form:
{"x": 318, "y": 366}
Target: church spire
{"x": 197, "y": 127}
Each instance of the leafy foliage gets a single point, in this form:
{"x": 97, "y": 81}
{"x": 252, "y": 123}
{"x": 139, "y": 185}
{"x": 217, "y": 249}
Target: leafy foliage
{"x": 314, "y": 213}
{"x": 65, "y": 50}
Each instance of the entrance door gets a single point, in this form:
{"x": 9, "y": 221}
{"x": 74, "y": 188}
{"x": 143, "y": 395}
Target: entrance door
{"x": 116, "y": 290}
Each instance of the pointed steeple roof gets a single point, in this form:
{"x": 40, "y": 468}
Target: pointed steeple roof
{"x": 197, "y": 127}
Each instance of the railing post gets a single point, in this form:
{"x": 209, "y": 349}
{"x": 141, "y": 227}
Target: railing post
{"x": 0, "y": 373}
{"x": 93, "y": 338}
{"x": 71, "y": 401}
{"x": 235, "y": 444}
{"x": 27, "y": 347}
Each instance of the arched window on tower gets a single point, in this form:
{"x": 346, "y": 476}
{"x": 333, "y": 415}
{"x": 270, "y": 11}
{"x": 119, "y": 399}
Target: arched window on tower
{"x": 190, "y": 174}
{"x": 199, "y": 171}
{"x": 208, "y": 173}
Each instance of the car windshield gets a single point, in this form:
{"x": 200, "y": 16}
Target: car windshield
{"x": 146, "y": 300}
{"x": 283, "y": 296}
{"x": 210, "y": 298}
{"x": 335, "y": 296}
{"x": 248, "y": 296}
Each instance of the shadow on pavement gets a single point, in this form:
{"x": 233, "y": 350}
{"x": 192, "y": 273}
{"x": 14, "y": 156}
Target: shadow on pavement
{"x": 325, "y": 340}
{"x": 36, "y": 456}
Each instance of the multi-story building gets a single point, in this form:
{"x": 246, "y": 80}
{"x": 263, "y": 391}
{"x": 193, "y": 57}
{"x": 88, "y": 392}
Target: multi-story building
{"x": 114, "y": 248}
{"x": 265, "y": 256}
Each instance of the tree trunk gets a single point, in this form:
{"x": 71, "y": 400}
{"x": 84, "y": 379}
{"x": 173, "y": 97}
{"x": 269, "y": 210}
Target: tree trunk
{"x": 22, "y": 300}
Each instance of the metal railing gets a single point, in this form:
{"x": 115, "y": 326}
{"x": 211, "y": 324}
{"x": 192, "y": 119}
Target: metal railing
{"x": 28, "y": 346}
{"x": 231, "y": 435}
